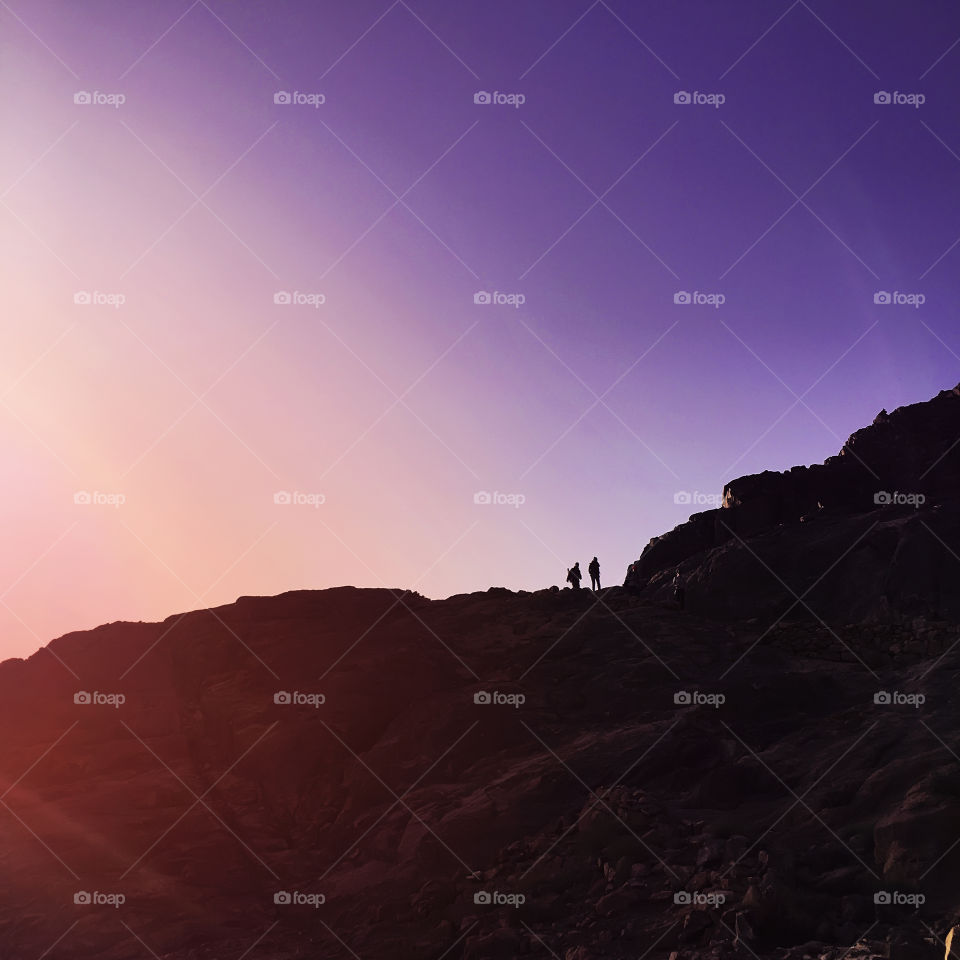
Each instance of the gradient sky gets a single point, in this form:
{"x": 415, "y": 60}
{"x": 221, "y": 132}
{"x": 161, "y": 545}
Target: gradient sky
{"x": 399, "y": 198}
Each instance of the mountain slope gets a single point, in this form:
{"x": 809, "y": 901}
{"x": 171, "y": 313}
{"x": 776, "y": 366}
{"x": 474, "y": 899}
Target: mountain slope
{"x": 773, "y": 772}
{"x": 872, "y": 533}
{"x": 598, "y": 798}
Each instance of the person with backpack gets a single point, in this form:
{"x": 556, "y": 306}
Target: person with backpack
{"x": 574, "y": 576}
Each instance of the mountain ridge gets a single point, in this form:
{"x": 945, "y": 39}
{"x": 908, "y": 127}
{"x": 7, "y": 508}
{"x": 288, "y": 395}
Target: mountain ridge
{"x": 895, "y": 480}
{"x": 367, "y": 772}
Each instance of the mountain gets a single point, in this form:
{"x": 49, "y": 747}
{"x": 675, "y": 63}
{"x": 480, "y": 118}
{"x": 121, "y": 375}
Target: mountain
{"x": 369, "y": 773}
{"x": 871, "y": 534}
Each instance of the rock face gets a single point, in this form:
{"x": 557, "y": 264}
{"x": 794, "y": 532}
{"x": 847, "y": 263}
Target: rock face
{"x": 772, "y": 773}
{"x": 494, "y": 775}
{"x": 872, "y": 533}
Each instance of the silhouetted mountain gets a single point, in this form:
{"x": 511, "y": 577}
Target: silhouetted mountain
{"x": 871, "y": 534}
{"x": 369, "y": 773}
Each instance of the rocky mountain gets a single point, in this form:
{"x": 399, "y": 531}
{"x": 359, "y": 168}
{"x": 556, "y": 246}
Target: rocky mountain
{"x": 773, "y": 772}
{"x": 872, "y": 533}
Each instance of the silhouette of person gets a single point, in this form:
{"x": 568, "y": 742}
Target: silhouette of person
{"x": 679, "y": 592}
{"x": 594, "y": 571}
{"x": 574, "y": 576}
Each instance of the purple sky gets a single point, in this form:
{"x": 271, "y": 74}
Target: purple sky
{"x": 596, "y": 200}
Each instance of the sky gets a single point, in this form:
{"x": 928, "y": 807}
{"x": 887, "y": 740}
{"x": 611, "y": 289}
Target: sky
{"x": 440, "y": 296}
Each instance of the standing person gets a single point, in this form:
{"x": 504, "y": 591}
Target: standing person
{"x": 679, "y": 593}
{"x": 594, "y": 571}
{"x": 574, "y": 576}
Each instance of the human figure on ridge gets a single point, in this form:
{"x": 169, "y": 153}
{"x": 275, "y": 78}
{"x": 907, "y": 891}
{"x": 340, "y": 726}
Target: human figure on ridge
{"x": 574, "y": 576}
{"x": 594, "y": 571}
{"x": 679, "y": 592}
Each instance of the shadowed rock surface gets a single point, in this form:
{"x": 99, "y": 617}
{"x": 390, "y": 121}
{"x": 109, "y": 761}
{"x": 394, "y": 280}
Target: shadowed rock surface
{"x": 883, "y": 515}
{"x": 773, "y": 773}
{"x": 600, "y": 799}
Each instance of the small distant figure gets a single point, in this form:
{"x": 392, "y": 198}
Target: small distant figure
{"x": 574, "y": 576}
{"x": 594, "y": 571}
{"x": 679, "y": 591}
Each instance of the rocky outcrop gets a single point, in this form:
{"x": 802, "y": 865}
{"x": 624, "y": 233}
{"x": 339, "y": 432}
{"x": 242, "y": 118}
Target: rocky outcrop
{"x": 492, "y": 775}
{"x": 872, "y": 532}
{"x": 499, "y": 775}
